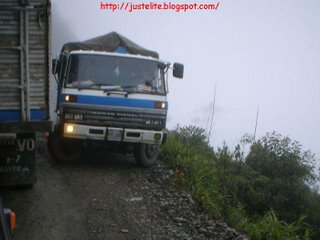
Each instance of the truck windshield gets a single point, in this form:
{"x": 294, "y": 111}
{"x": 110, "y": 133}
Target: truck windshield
{"x": 134, "y": 75}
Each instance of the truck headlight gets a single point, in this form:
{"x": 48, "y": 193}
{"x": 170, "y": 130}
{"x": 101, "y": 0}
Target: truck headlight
{"x": 157, "y": 136}
{"x": 69, "y": 128}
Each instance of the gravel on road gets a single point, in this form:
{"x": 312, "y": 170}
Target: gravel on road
{"x": 108, "y": 197}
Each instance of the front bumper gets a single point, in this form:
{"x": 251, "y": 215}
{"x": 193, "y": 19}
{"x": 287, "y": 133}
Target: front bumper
{"x": 78, "y": 131}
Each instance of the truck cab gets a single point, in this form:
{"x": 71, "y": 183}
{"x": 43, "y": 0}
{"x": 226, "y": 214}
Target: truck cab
{"x": 115, "y": 98}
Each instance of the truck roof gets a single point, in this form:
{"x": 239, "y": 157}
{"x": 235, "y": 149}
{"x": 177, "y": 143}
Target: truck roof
{"x": 110, "y": 42}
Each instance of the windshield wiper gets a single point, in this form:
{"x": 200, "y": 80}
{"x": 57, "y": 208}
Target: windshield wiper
{"x": 129, "y": 86}
{"x": 109, "y": 92}
{"x": 108, "y": 87}
{"x": 102, "y": 86}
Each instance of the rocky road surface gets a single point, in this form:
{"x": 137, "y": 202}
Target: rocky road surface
{"x": 107, "y": 197}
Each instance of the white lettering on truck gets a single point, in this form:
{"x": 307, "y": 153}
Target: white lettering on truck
{"x": 26, "y": 144}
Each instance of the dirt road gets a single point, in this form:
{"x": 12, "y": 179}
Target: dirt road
{"x": 107, "y": 197}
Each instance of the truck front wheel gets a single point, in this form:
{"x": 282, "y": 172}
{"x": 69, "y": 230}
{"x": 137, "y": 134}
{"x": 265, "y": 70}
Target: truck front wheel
{"x": 146, "y": 154}
{"x": 62, "y": 149}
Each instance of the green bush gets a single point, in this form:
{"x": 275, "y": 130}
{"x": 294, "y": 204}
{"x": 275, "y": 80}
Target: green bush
{"x": 241, "y": 189}
{"x": 277, "y": 171}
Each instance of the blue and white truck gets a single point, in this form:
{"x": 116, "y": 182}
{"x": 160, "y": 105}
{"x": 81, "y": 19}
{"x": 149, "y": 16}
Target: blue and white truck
{"x": 111, "y": 92}
{"x": 25, "y": 66}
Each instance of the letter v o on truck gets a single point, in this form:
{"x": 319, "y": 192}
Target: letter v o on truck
{"x": 111, "y": 93}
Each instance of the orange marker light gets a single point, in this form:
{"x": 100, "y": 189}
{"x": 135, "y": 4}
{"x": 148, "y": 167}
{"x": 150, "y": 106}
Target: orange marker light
{"x": 160, "y": 105}
{"x": 12, "y": 221}
{"x": 11, "y": 216}
{"x": 70, "y": 98}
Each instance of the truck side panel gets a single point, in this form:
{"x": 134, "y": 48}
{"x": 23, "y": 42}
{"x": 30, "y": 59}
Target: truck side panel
{"x": 24, "y": 65}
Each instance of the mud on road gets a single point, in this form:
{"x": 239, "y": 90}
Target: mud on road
{"x": 107, "y": 197}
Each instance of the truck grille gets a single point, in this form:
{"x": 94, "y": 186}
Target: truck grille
{"x": 123, "y": 118}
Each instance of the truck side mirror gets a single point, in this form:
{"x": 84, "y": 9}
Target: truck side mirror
{"x": 55, "y": 66}
{"x": 178, "y": 70}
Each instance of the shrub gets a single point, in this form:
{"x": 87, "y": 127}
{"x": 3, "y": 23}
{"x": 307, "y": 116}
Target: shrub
{"x": 241, "y": 189}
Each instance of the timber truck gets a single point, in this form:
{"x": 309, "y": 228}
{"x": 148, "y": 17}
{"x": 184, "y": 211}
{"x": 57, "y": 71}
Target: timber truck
{"x": 25, "y": 66}
{"x": 111, "y": 93}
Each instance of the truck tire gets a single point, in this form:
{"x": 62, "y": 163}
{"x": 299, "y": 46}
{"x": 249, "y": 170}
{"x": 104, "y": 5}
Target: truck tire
{"x": 63, "y": 150}
{"x": 146, "y": 154}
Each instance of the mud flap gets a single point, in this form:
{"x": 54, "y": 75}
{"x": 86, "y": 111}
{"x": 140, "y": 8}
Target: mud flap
{"x": 17, "y": 159}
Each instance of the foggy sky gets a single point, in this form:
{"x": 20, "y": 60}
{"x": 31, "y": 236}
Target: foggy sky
{"x": 256, "y": 53}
